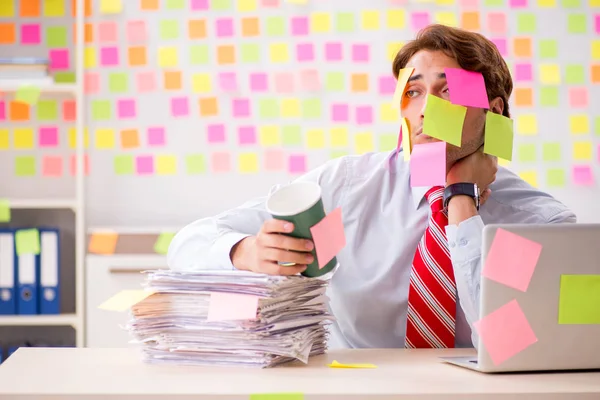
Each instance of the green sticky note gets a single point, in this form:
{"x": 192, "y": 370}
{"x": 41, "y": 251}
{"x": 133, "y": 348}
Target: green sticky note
{"x": 277, "y": 396}
{"x": 597, "y": 125}
{"x": 494, "y": 3}
{"x": 556, "y": 177}
{"x": 291, "y": 135}
{"x": 577, "y": 23}
{"x": 334, "y": 82}
{"x": 4, "y": 210}
{"x": 250, "y": 52}
{"x": 123, "y": 165}
{"x": 311, "y": 108}
{"x": 575, "y": 74}
{"x": 65, "y": 77}
{"x": 118, "y": 82}
{"x": 28, "y": 94}
{"x": 221, "y": 5}
{"x": 27, "y": 241}
{"x": 579, "y": 300}
{"x": 499, "y": 134}
{"x": 47, "y": 110}
{"x": 161, "y": 246}
{"x": 175, "y": 4}
{"x": 526, "y": 152}
{"x": 338, "y": 153}
{"x": 56, "y": 36}
{"x": 275, "y": 26}
{"x": 548, "y": 48}
{"x": 344, "y": 22}
{"x": 25, "y": 166}
{"x": 444, "y": 120}
{"x": 101, "y": 110}
{"x": 388, "y": 141}
{"x": 551, "y": 151}
{"x": 199, "y": 54}
{"x": 571, "y": 3}
{"x": 268, "y": 108}
{"x": 195, "y": 164}
{"x": 526, "y": 23}
{"x": 549, "y": 96}
{"x": 169, "y": 29}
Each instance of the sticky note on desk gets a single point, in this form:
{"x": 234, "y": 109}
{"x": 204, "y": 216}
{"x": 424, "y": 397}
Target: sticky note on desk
{"x": 444, "y": 120}
{"x": 27, "y": 241}
{"x": 328, "y": 236}
{"x": 161, "y": 246}
{"x": 28, "y": 95}
{"x": 505, "y": 332}
{"x": 579, "y": 300}
{"x": 125, "y": 299}
{"x": 335, "y": 364}
{"x": 4, "y": 210}
{"x": 467, "y": 88}
{"x": 499, "y": 136}
{"x": 428, "y": 164}
{"x": 403, "y": 77}
{"x": 103, "y": 243}
{"x": 511, "y": 260}
{"x": 277, "y": 396}
{"x": 230, "y": 306}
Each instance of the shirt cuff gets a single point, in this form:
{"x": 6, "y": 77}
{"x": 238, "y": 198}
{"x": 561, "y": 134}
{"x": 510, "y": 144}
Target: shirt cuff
{"x": 464, "y": 240}
{"x": 221, "y": 248}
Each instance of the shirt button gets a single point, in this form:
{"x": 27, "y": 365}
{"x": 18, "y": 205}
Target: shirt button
{"x": 463, "y": 242}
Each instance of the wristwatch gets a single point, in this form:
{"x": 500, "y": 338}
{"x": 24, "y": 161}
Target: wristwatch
{"x": 463, "y": 188}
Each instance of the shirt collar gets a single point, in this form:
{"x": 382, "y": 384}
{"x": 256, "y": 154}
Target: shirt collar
{"x": 418, "y": 195}
{"x": 396, "y": 159}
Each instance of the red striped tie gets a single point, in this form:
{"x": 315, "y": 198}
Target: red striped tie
{"x": 432, "y": 291}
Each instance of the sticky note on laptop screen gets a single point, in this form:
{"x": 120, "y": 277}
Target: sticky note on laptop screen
{"x": 467, "y": 88}
{"x": 511, "y": 260}
{"x": 579, "y": 301}
{"x": 444, "y": 120}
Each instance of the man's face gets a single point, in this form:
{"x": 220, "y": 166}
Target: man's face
{"x": 429, "y": 77}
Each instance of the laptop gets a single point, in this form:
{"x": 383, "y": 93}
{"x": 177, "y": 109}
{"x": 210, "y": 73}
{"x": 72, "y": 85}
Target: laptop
{"x": 573, "y": 344}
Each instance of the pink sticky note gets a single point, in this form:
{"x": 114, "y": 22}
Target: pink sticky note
{"x": 231, "y": 306}
{"x": 518, "y": 3}
{"x": 500, "y": 44}
{"x": 216, "y": 133}
{"x": 360, "y": 52}
{"x": 73, "y": 165}
{"x": 387, "y": 85}
{"x": 333, "y": 51}
{"x": 91, "y": 82}
{"x": 305, "y": 52}
{"x": 523, "y": 72}
{"x": 146, "y": 81}
{"x": 274, "y": 159}
{"x": 597, "y": 23}
{"x": 419, "y": 20}
{"x": 578, "y": 97}
{"x": 284, "y": 82}
{"x": 228, "y": 81}
{"x": 270, "y": 3}
{"x": 156, "y": 136}
{"x": 107, "y": 31}
{"x": 221, "y": 162}
{"x": 469, "y": 4}
{"x": 109, "y": 56}
{"x": 583, "y": 175}
{"x": 297, "y": 164}
{"x": 497, "y": 22}
{"x": 246, "y": 135}
{"x": 69, "y": 109}
{"x": 180, "y": 107}
{"x": 199, "y": 5}
{"x": 52, "y": 166}
{"x": 59, "y": 59}
{"x": 428, "y": 164}
{"x": 48, "y": 136}
{"x": 505, "y": 332}
{"x": 30, "y": 34}
{"x": 511, "y": 260}
{"x": 466, "y": 88}
{"x": 241, "y": 108}
{"x": 258, "y": 82}
{"x": 144, "y": 165}
{"x": 126, "y": 108}
{"x": 339, "y": 112}
{"x": 2, "y": 110}
{"x": 224, "y": 27}
{"x": 299, "y": 26}
{"x": 328, "y": 236}
{"x": 364, "y": 115}
{"x": 136, "y": 31}
{"x": 309, "y": 80}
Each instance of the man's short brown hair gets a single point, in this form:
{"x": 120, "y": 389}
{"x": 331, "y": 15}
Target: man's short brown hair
{"x": 472, "y": 51}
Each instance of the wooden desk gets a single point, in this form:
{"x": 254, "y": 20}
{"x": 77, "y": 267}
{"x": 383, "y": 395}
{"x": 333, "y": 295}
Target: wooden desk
{"x": 85, "y": 373}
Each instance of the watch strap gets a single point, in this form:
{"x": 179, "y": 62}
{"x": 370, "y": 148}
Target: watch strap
{"x": 461, "y": 188}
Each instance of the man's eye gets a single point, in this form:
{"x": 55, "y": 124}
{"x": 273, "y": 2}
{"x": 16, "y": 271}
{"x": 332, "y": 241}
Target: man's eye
{"x": 411, "y": 93}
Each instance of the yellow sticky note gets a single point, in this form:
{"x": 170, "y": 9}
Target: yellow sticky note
{"x": 290, "y": 108}
{"x": 403, "y": 77}
{"x": 549, "y": 74}
{"x": 527, "y": 124}
{"x": 503, "y": 163}
{"x": 246, "y": 5}
{"x": 268, "y": 135}
{"x": 336, "y": 364}
{"x": 7, "y": 8}
{"x": 4, "y": 139}
{"x": 166, "y": 164}
{"x": 339, "y": 137}
{"x": 447, "y": 18}
{"x": 396, "y": 19}
{"x": 579, "y": 124}
{"x": 529, "y": 177}
{"x": 73, "y": 138}
{"x": 320, "y": 22}
{"x": 167, "y": 57}
{"x": 89, "y": 57}
{"x": 27, "y": 241}
{"x": 105, "y": 138}
{"x": 388, "y": 113}
{"x": 23, "y": 138}
{"x": 125, "y": 299}
{"x": 103, "y": 243}
{"x": 370, "y": 20}
{"x": 594, "y": 3}
{"x": 111, "y": 6}
{"x": 161, "y": 246}
{"x": 315, "y": 138}
{"x": 279, "y": 52}
{"x": 392, "y": 49}
{"x": 363, "y": 142}
{"x": 546, "y": 3}
{"x": 406, "y": 142}
{"x": 201, "y": 83}
{"x": 248, "y": 163}
{"x": 444, "y": 2}
{"x": 582, "y": 151}
{"x": 52, "y": 8}
{"x": 595, "y": 47}
{"x": 4, "y": 210}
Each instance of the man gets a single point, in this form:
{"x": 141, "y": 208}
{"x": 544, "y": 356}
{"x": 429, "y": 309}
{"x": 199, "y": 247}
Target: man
{"x": 409, "y": 274}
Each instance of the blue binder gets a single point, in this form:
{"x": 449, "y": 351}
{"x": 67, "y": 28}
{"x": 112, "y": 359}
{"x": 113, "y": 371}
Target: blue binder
{"x": 49, "y": 282}
{"x": 1, "y": 355}
{"x": 11, "y": 350}
{"x": 8, "y": 268}
{"x": 27, "y": 283}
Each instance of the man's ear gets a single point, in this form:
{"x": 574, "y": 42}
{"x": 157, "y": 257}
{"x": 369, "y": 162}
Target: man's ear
{"x": 497, "y": 105}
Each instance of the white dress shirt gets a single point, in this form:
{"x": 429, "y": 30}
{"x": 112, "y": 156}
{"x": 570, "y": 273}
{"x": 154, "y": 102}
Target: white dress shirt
{"x": 384, "y": 219}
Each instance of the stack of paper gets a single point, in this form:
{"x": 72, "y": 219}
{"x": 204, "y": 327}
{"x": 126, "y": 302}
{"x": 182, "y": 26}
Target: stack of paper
{"x": 230, "y": 318}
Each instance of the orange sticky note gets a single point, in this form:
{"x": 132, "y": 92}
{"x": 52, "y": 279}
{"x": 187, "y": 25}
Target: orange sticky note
{"x": 522, "y": 47}
{"x": 18, "y": 111}
{"x": 197, "y": 29}
{"x": 172, "y": 80}
{"x": 7, "y": 33}
{"x": 103, "y": 243}
{"x": 250, "y": 27}
{"x": 137, "y": 56}
{"x": 209, "y": 106}
{"x": 524, "y": 97}
{"x": 360, "y": 83}
{"x": 230, "y": 306}
{"x": 225, "y": 54}
{"x": 130, "y": 139}
{"x": 30, "y": 8}
{"x": 328, "y": 236}
{"x": 149, "y": 5}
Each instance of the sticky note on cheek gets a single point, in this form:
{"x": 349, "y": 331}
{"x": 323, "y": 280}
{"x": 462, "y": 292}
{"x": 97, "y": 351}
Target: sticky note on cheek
{"x": 328, "y": 236}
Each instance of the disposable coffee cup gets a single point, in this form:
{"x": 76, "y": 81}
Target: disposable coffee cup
{"x": 300, "y": 203}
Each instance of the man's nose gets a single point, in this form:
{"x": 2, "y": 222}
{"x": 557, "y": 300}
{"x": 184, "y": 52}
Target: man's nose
{"x": 424, "y": 105}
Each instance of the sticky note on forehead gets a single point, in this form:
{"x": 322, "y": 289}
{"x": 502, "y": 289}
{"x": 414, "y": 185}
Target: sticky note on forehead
{"x": 403, "y": 77}
{"x": 467, "y": 88}
{"x": 444, "y": 120}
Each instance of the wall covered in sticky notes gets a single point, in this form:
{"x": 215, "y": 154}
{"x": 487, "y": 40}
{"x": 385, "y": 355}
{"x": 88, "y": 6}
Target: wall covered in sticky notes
{"x": 193, "y": 106}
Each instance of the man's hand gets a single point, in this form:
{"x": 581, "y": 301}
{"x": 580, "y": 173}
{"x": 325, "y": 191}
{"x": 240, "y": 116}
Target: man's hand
{"x": 479, "y": 168}
{"x": 261, "y": 253}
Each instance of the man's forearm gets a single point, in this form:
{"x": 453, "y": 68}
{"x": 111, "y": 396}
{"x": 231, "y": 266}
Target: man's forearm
{"x": 461, "y": 208}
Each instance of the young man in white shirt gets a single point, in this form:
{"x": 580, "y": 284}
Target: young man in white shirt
{"x": 386, "y": 292}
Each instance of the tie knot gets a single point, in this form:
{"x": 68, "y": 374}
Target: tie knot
{"x": 435, "y": 198}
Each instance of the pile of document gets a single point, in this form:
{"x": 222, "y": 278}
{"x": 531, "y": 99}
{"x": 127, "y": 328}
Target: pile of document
{"x": 195, "y": 318}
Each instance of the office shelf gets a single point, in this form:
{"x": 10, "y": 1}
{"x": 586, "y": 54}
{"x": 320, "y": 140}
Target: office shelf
{"x": 39, "y": 320}
{"x": 12, "y": 85}
{"x": 42, "y": 203}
